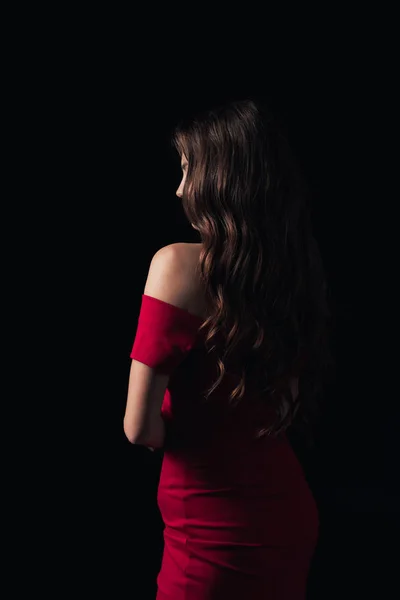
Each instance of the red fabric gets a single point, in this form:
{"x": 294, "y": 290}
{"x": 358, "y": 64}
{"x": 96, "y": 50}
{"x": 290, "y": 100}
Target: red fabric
{"x": 240, "y": 519}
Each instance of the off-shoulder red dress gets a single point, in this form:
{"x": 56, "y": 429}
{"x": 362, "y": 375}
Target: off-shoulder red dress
{"x": 240, "y": 520}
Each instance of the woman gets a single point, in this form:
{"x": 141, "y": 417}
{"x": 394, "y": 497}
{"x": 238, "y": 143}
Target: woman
{"x": 238, "y": 353}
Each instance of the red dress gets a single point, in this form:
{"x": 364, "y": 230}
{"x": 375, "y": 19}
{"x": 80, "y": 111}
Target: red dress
{"x": 240, "y": 519}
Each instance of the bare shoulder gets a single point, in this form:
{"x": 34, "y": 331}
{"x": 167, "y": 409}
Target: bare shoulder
{"x": 190, "y": 254}
{"x": 173, "y": 277}
{"x": 188, "y": 251}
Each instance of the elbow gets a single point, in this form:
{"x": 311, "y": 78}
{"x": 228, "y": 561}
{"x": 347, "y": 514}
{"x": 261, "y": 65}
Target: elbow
{"x": 132, "y": 435}
{"x": 153, "y": 435}
{"x": 130, "y": 439}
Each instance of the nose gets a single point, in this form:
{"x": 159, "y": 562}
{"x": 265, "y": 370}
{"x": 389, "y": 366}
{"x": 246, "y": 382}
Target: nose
{"x": 179, "y": 191}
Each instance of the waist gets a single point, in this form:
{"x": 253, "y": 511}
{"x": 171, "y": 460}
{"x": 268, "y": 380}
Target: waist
{"x": 263, "y": 503}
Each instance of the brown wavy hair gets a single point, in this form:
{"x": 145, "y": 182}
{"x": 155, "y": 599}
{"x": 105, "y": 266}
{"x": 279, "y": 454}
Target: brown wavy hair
{"x": 260, "y": 264}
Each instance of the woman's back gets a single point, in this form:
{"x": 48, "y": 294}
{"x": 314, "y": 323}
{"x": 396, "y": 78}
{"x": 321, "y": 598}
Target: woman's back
{"x": 239, "y": 516}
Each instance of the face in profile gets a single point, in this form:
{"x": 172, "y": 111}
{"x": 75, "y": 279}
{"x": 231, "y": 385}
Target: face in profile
{"x": 179, "y": 191}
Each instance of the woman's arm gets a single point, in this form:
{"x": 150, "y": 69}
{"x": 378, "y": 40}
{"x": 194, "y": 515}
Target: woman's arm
{"x": 155, "y": 438}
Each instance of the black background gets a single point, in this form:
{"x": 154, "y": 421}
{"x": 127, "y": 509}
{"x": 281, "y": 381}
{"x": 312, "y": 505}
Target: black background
{"x": 97, "y": 103}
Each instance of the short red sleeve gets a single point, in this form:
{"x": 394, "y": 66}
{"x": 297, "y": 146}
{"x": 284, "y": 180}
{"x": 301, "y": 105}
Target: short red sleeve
{"x": 165, "y": 334}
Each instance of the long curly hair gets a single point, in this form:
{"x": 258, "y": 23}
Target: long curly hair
{"x": 263, "y": 276}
